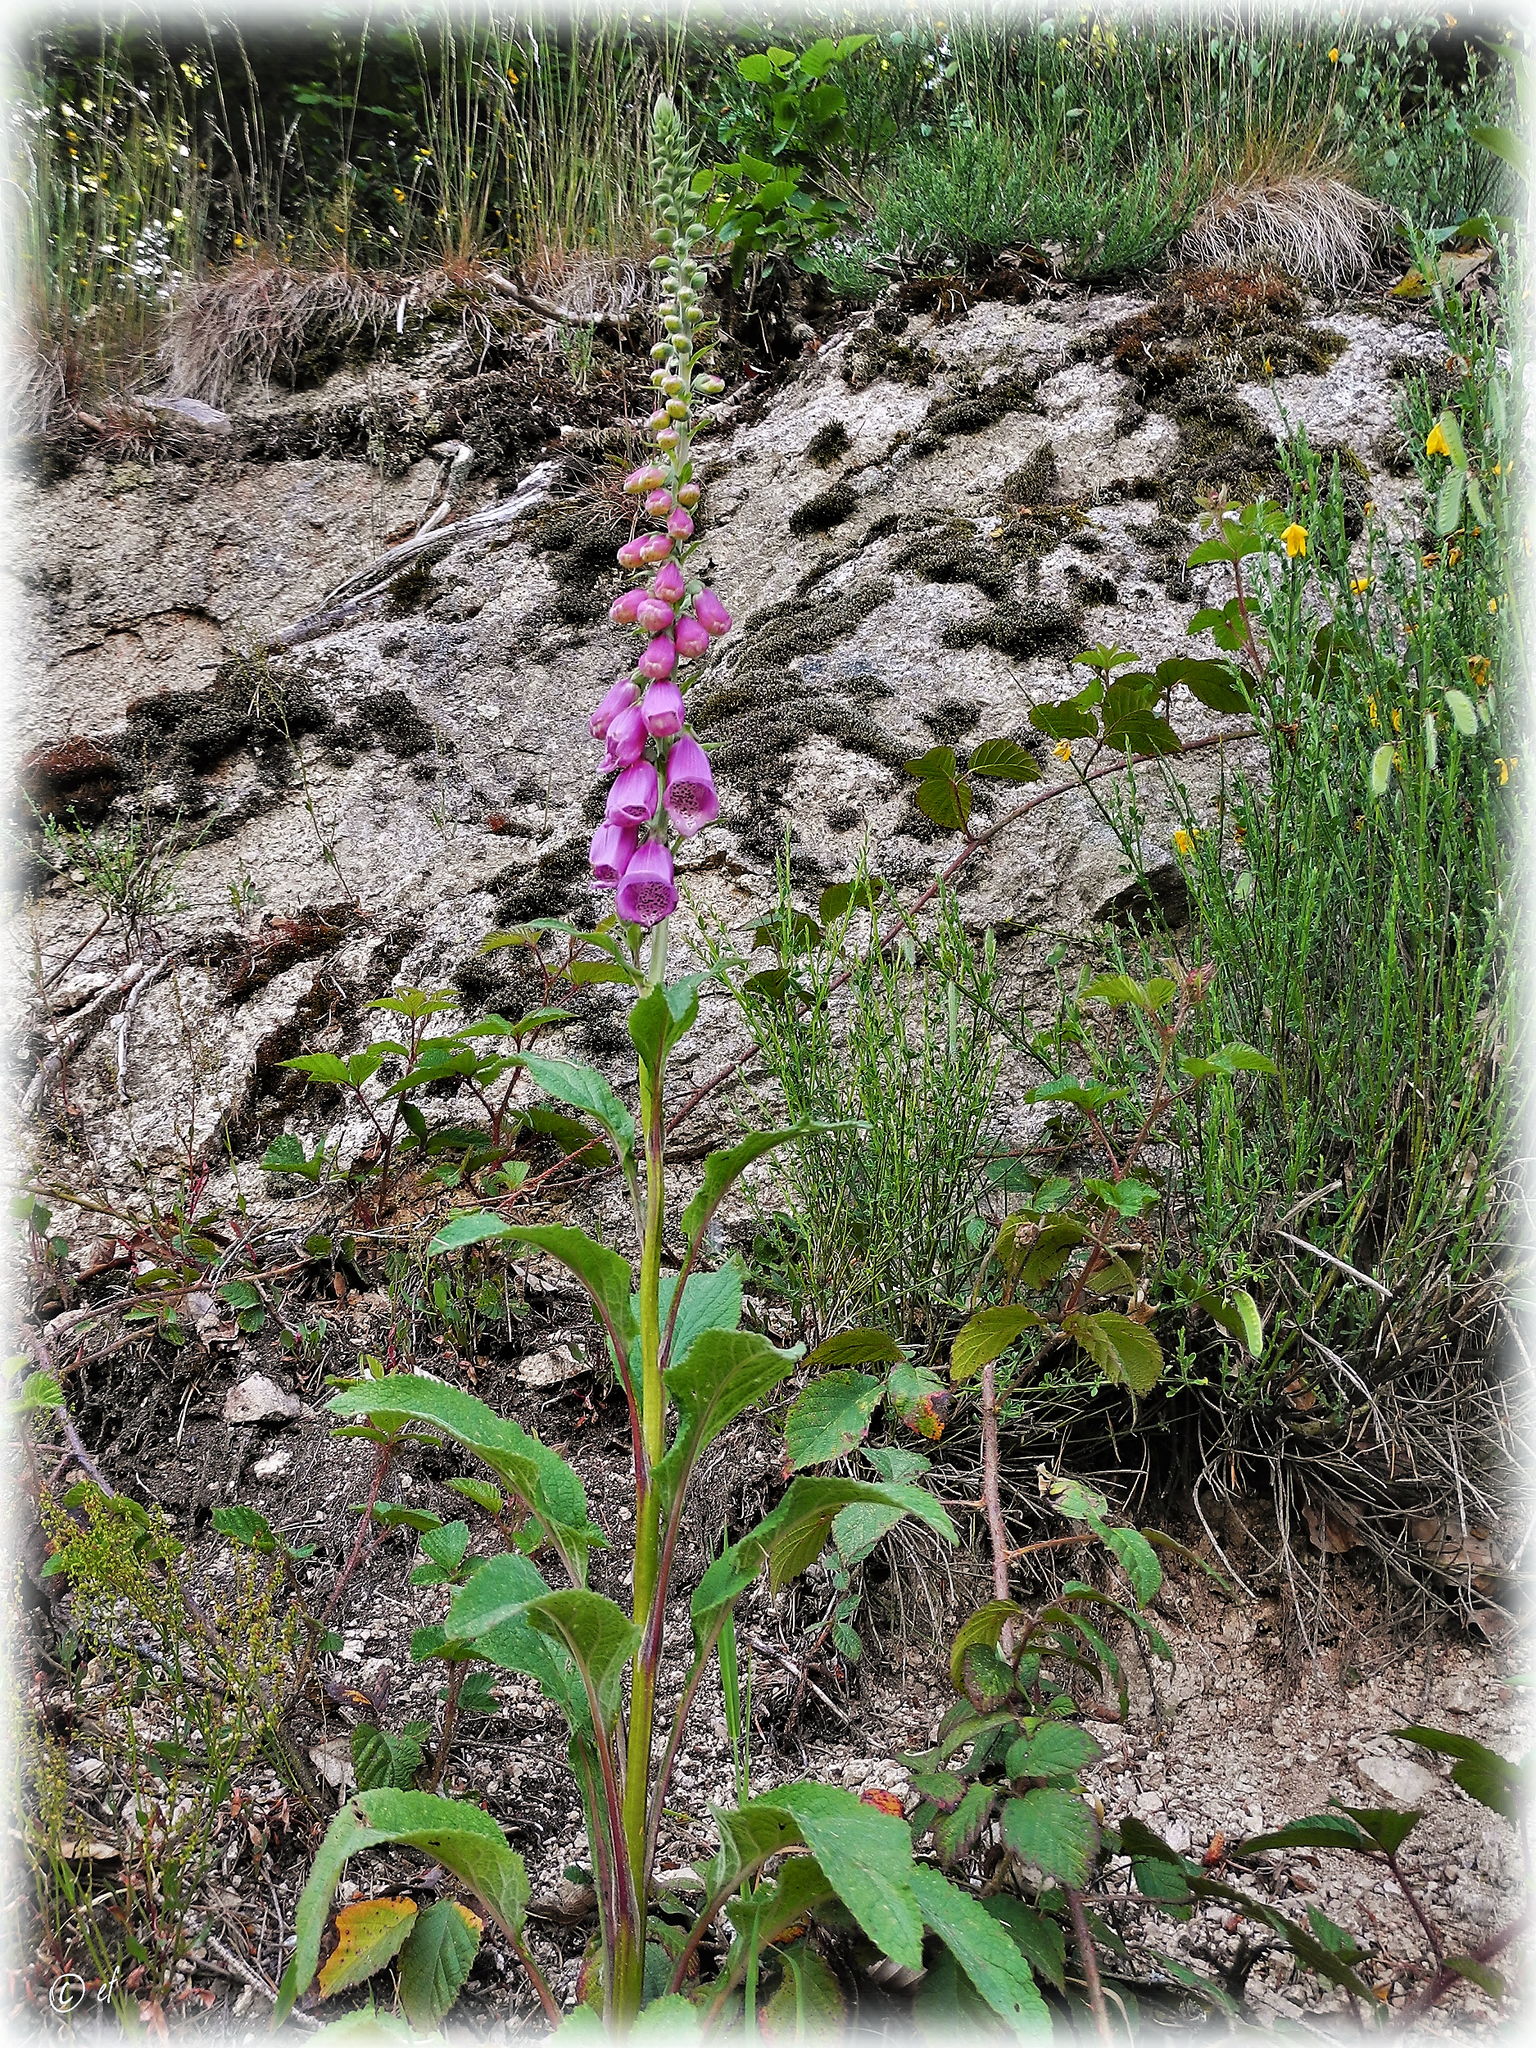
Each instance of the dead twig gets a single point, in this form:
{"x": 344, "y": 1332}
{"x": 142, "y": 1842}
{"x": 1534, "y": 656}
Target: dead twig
{"x": 1342, "y": 1265}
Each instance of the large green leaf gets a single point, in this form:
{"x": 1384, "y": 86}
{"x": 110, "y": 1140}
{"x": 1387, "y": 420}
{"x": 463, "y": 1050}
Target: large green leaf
{"x": 472, "y": 1227}
{"x": 598, "y": 1634}
{"x": 857, "y": 1347}
{"x": 553, "y": 1491}
{"x": 986, "y": 1336}
{"x": 1056, "y": 1750}
{"x": 723, "y": 1169}
{"x": 858, "y": 1528}
{"x": 583, "y": 1088}
{"x": 711, "y": 1301}
{"x": 661, "y": 1017}
{"x": 989, "y": 1958}
{"x": 1055, "y": 1831}
{"x": 1313, "y": 1831}
{"x": 866, "y": 1857}
{"x": 1123, "y": 1350}
{"x": 460, "y": 1837}
{"x": 436, "y": 1961}
{"x": 724, "y": 1372}
{"x": 1486, "y": 1776}
{"x": 831, "y": 1417}
{"x": 489, "y": 1619}
{"x": 1042, "y": 1940}
{"x": 749, "y": 1835}
{"x": 1002, "y": 761}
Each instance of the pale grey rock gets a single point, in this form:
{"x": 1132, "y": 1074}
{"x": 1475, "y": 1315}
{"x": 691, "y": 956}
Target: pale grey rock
{"x": 259, "y": 1399}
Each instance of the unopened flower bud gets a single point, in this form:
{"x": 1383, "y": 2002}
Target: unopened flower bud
{"x": 711, "y": 614}
{"x": 660, "y": 351}
{"x": 659, "y": 418}
{"x": 653, "y": 547}
{"x": 626, "y": 737}
{"x": 647, "y": 478}
{"x": 659, "y": 504}
{"x": 668, "y": 438}
{"x": 659, "y": 658}
{"x": 668, "y": 584}
{"x": 680, "y": 525}
{"x": 677, "y": 408}
{"x": 632, "y": 555}
{"x": 692, "y": 640}
{"x": 689, "y": 496}
{"x": 653, "y": 616}
{"x": 662, "y": 709}
{"x": 624, "y": 611}
{"x": 623, "y": 693}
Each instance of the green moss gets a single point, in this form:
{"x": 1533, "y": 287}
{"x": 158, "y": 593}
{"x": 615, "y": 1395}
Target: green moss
{"x": 827, "y": 509}
{"x": 1225, "y": 326}
{"x": 953, "y": 554}
{"x": 872, "y": 355}
{"x": 951, "y": 719}
{"x": 1222, "y": 443}
{"x": 1036, "y": 481}
{"x": 1021, "y": 627}
{"x": 579, "y": 543}
{"x": 415, "y": 587}
{"x": 828, "y": 444}
{"x": 399, "y": 725}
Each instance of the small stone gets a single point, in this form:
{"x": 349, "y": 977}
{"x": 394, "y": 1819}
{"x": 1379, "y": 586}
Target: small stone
{"x": 259, "y": 1399}
{"x": 271, "y": 1465}
{"x": 1404, "y": 1783}
{"x": 550, "y": 1368}
{"x": 1178, "y": 1838}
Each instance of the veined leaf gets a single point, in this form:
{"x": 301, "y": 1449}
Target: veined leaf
{"x": 584, "y": 1088}
{"x": 367, "y": 1937}
{"x": 606, "y": 1277}
{"x": 831, "y": 1417}
{"x": 464, "y": 1840}
{"x": 660, "y": 1018}
{"x": 857, "y": 1347}
{"x": 1002, "y": 761}
{"x": 987, "y": 1335}
{"x": 723, "y": 1373}
{"x": 984, "y": 1627}
{"x": 866, "y": 1857}
{"x": 711, "y": 1301}
{"x": 1124, "y": 1351}
{"x": 598, "y": 1634}
{"x": 436, "y": 1961}
{"x": 1057, "y": 1750}
{"x": 995, "y": 1967}
{"x": 1481, "y": 1772}
{"x": 1055, "y": 1831}
{"x": 723, "y": 1169}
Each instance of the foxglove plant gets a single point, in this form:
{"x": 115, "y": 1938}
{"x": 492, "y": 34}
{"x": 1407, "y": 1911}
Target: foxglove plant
{"x": 687, "y": 1371}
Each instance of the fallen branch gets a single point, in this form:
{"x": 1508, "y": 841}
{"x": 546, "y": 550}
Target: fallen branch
{"x": 1342, "y": 1265}
{"x": 79, "y": 1031}
{"x": 350, "y": 595}
{"x": 256, "y": 1979}
{"x": 125, "y": 1022}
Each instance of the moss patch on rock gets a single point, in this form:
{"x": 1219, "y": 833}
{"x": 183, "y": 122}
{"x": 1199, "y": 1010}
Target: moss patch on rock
{"x": 399, "y": 725}
{"x": 1228, "y": 326}
{"x": 873, "y": 355}
{"x": 827, "y": 509}
{"x": 1021, "y": 627}
{"x": 828, "y": 444}
{"x": 1222, "y": 443}
{"x": 953, "y": 554}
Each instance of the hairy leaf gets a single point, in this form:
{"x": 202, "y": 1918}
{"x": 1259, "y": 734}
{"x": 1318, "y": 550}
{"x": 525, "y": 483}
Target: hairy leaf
{"x": 831, "y": 1417}
{"x": 1055, "y": 1832}
{"x": 993, "y": 1965}
{"x": 436, "y": 1961}
{"x": 367, "y": 1937}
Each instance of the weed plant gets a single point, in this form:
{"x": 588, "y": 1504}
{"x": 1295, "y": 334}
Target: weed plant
{"x": 877, "y": 1218}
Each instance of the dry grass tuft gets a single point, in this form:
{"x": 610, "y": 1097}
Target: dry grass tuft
{"x": 257, "y": 318}
{"x": 1312, "y": 224}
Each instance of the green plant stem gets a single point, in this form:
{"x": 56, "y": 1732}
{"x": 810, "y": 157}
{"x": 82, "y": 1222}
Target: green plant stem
{"x": 1090, "y": 1963}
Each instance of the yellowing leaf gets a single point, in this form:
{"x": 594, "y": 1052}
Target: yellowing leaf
{"x": 367, "y": 1937}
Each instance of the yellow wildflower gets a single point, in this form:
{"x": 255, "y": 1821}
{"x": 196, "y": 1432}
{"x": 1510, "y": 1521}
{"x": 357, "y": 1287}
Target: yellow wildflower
{"x": 1333, "y": 55}
{"x": 1454, "y": 557}
{"x": 1506, "y": 768}
{"x": 1370, "y": 709}
{"x": 1437, "y": 443}
{"x": 1360, "y": 585}
{"x": 1295, "y": 538}
{"x": 399, "y": 195}
{"x": 1477, "y": 668}
{"x": 1062, "y": 750}
{"x": 1493, "y": 604}
{"x": 1397, "y": 721}
{"x": 1269, "y": 368}
{"x": 1184, "y": 842}
{"x": 1430, "y": 561}
{"x": 1370, "y": 504}
{"x": 1240, "y": 833}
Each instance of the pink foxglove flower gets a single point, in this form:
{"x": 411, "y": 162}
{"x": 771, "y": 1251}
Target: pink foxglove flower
{"x": 626, "y": 739}
{"x": 691, "y": 800}
{"x": 680, "y": 525}
{"x": 660, "y": 418}
{"x": 662, "y": 709}
{"x": 610, "y": 853}
{"x": 647, "y": 893}
{"x": 632, "y": 799}
{"x": 668, "y": 584}
{"x": 653, "y": 547}
{"x": 692, "y": 640}
{"x": 659, "y": 504}
{"x": 652, "y": 616}
{"x": 688, "y": 496}
{"x": 624, "y": 693}
{"x": 648, "y": 478}
{"x": 626, "y": 609}
{"x": 632, "y": 555}
{"x": 711, "y": 614}
{"x": 659, "y": 658}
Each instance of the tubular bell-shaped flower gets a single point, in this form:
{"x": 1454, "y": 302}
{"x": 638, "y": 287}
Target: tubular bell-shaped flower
{"x": 610, "y": 852}
{"x": 648, "y": 893}
{"x": 711, "y": 614}
{"x": 623, "y": 693}
{"x": 692, "y": 640}
{"x": 632, "y": 799}
{"x": 690, "y": 799}
{"x": 662, "y": 709}
{"x": 626, "y": 738}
